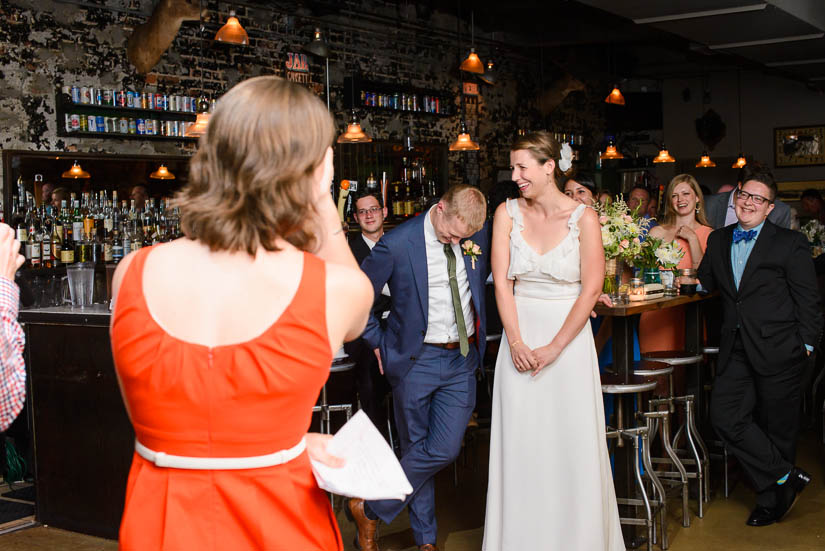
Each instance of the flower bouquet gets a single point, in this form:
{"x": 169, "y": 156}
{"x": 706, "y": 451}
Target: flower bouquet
{"x": 657, "y": 255}
{"x": 622, "y": 234}
{"x": 814, "y": 231}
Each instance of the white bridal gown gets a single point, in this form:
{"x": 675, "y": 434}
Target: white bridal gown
{"x": 550, "y": 486}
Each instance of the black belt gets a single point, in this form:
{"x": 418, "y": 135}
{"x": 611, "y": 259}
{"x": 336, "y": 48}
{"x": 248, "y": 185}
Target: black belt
{"x": 452, "y": 345}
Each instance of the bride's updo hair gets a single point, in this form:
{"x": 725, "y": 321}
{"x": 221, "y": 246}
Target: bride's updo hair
{"x": 543, "y": 147}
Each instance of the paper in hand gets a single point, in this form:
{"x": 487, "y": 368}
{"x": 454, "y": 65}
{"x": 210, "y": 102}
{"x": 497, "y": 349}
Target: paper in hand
{"x": 371, "y": 471}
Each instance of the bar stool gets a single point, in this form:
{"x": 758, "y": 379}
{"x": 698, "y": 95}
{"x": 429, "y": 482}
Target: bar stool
{"x": 618, "y": 386}
{"x": 325, "y": 408}
{"x": 679, "y": 358}
{"x": 710, "y": 353}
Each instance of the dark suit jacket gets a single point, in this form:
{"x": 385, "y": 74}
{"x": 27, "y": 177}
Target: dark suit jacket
{"x": 716, "y": 208}
{"x": 360, "y": 250}
{"x": 777, "y": 306}
{"x": 400, "y": 260}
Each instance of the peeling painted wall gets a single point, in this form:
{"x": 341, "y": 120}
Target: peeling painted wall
{"x": 46, "y": 44}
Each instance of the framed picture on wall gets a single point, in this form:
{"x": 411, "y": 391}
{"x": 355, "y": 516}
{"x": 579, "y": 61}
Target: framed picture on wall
{"x": 799, "y": 146}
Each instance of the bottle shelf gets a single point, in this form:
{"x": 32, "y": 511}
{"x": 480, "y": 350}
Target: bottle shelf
{"x": 392, "y": 97}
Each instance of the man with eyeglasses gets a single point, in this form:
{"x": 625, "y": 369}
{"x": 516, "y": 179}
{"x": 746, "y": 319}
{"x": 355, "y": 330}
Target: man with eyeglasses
{"x": 771, "y": 321}
{"x": 369, "y": 212}
{"x": 721, "y": 207}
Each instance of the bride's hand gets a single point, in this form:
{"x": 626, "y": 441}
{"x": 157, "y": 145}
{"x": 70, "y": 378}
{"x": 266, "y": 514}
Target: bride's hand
{"x": 523, "y": 357}
{"x": 317, "y": 450}
{"x": 545, "y": 356}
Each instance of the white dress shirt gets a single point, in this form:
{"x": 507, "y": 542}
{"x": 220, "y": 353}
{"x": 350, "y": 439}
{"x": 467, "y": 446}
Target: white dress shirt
{"x": 730, "y": 213}
{"x": 441, "y": 324}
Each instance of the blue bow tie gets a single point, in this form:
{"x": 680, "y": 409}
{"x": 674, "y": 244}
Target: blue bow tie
{"x": 742, "y": 235}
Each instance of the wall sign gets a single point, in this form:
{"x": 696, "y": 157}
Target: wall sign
{"x": 800, "y": 146}
{"x": 297, "y": 68}
{"x": 471, "y": 88}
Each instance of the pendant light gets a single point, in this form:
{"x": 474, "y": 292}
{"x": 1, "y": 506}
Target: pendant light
{"x": 464, "y": 142}
{"x": 354, "y": 133}
{"x": 162, "y": 173}
{"x": 76, "y": 173}
{"x": 615, "y": 97}
{"x": 472, "y": 64}
{"x": 664, "y": 156}
{"x": 232, "y": 32}
{"x": 741, "y": 161}
{"x": 202, "y": 120}
{"x": 611, "y": 152}
{"x": 488, "y": 75}
{"x": 704, "y": 161}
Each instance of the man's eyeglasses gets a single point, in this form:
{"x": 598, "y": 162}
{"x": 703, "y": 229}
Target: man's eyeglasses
{"x": 758, "y": 200}
{"x": 371, "y": 210}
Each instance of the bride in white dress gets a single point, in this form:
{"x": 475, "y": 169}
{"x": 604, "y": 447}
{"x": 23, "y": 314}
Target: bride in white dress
{"x": 550, "y": 485}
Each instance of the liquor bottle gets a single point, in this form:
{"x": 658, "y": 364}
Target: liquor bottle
{"x": 34, "y": 245}
{"x": 108, "y": 244}
{"x": 77, "y": 224}
{"x": 18, "y": 221}
{"x": 57, "y": 241}
{"x": 46, "y": 240}
{"x": 117, "y": 247}
{"x": 397, "y": 202}
{"x": 67, "y": 250}
{"x": 409, "y": 200}
{"x": 126, "y": 238}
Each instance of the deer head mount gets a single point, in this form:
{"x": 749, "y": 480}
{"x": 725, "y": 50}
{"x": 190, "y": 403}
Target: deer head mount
{"x": 553, "y": 96}
{"x": 151, "y": 39}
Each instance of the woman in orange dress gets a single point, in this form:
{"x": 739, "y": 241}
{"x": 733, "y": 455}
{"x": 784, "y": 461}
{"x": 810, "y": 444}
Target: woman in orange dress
{"x": 684, "y": 221}
{"x": 223, "y": 339}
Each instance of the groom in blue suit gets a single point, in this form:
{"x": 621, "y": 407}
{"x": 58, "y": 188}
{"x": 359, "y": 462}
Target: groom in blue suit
{"x": 432, "y": 345}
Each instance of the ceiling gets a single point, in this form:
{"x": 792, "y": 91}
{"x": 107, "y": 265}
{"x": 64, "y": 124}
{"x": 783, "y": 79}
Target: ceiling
{"x": 784, "y": 37}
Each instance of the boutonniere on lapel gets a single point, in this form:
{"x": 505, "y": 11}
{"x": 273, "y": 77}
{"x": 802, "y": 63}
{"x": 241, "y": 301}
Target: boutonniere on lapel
{"x": 472, "y": 250}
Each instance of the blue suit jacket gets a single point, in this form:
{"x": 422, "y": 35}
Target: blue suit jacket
{"x": 399, "y": 259}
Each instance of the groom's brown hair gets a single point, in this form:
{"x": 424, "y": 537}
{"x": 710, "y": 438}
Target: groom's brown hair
{"x": 468, "y": 204}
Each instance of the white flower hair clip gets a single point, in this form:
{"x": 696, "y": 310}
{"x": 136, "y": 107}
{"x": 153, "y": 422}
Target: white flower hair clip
{"x": 566, "y": 160}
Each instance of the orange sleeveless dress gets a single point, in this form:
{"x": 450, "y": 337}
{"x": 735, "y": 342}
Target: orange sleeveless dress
{"x": 240, "y": 400}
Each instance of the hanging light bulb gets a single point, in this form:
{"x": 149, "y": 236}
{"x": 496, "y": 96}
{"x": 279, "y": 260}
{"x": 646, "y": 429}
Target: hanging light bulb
{"x": 473, "y": 63}
{"x": 740, "y": 162}
{"x": 318, "y": 46}
{"x": 162, "y": 173}
{"x": 232, "y": 32}
{"x": 664, "y": 156}
{"x": 354, "y": 133}
{"x": 488, "y": 75}
{"x": 76, "y": 173}
{"x": 615, "y": 96}
{"x": 464, "y": 142}
{"x": 201, "y": 121}
{"x": 704, "y": 161}
{"x": 611, "y": 152}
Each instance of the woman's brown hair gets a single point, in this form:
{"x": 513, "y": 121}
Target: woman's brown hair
{"x": 544, "y": 147}
{"x": 670, "y": 213}
{"x": 252, "y": 179}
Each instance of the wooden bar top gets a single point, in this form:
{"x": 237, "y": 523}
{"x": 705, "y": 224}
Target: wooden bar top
{"x": 649, "y": 305}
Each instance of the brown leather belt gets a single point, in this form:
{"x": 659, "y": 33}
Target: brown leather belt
{"x": 451, "y": 345}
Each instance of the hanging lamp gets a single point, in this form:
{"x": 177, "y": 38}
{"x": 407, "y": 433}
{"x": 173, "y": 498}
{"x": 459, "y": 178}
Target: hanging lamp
{"x": 704, "y": 161}
{"x": 318, "y": 46}
{"x": 232, "y": 32}
{"x": 741, "y": 160}
{"x": 488, "y": 75}
{"x": 615, "y": 97}
{"x": 76, "y": 173}
{"x": 464, "y": 142}
{"x": 473, "y": 63}
{"x": 611, "y": 152}
{"x": 664, "y": 156}
{"x": 162, "y": 173}
{"x": 354, "y": 133}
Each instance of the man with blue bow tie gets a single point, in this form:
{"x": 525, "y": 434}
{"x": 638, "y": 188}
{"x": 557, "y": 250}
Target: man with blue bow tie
{"x": 771, "y": 322}
{"x": 431, "y": 347}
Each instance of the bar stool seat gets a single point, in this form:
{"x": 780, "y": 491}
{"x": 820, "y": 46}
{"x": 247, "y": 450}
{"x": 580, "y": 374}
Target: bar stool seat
{"x": 673, "y": 357}
{"x": 647, "y": 368}
{"x": 338, "y": 366}
{"x": 616, "y": 384}
{"x": 710, "y": 350}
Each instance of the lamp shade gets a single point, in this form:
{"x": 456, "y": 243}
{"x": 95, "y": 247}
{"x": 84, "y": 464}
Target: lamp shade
{"x": 318, "y": 46}
{"x": 232, "y": 32}
{"x": 199, "y": 128}
{"x": 162, "y": 173}
{"x": 489, "y": 77}
{"x": 740, "y": 162}
{"x": 615, "y": 96}
{"x": 354, "y": 133}
{"x": 472, "y": 64}
{"x": 611, "y": 153}
{"x": 704, "y": 161}
{"x": 664, "y": 156}
{"x": 76, "y": 173}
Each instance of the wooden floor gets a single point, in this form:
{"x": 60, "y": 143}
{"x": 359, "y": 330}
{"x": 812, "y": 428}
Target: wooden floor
{"x": 460, "y": 513}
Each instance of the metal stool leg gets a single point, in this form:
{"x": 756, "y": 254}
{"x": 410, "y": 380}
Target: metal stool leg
{"x": 637, "y": 472}
{"x": 658, "y": 487}
{"x": 679, "y": 467}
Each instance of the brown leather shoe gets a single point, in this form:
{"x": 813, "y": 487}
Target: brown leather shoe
{"x": 367, "y": 530}
{"x": 428, "y": 547}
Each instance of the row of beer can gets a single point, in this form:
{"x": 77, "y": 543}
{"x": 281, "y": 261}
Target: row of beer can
{"x": 125, "y": 125}
{"x": 86, "y": 95}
